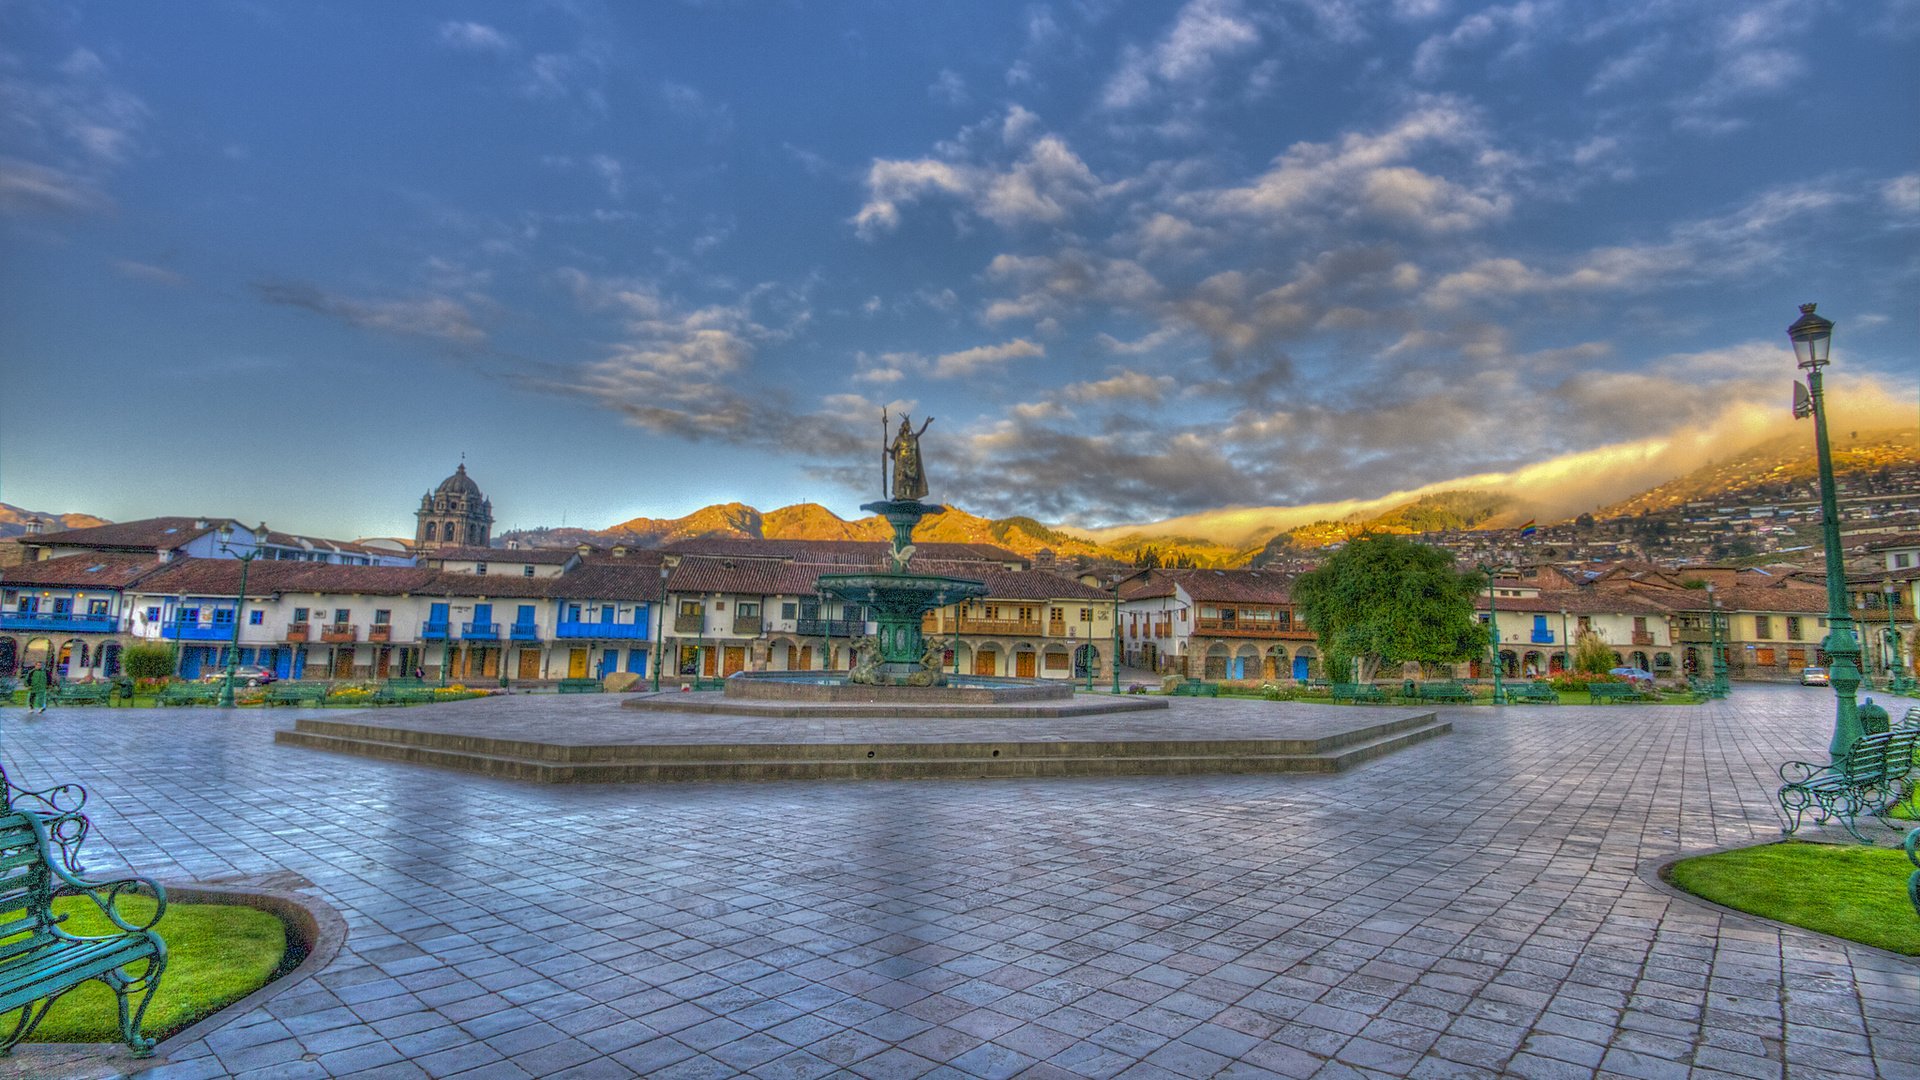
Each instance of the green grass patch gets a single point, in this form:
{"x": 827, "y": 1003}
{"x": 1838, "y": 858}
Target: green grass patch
{"x": 1858, "y": 893}
{"x": 216, "y": 955}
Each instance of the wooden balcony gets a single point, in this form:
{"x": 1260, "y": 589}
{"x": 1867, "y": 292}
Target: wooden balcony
{"x": 340, "y": 632}
{"x": 690, "y": 624}
{"x": 1243, "y": 628}
{"x": 1692, "y": 635}
{"x": 746, "y": 625}
{"x": 1643, "y": 637}
{"x": 380, "y": 632}
{"x": 299, "y": 631}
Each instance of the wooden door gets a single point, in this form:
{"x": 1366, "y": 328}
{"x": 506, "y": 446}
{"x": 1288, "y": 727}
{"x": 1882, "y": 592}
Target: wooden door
{"x": 529, "y": 663}
{"x": 985, "y": 663}
{"x": 1023, "y": 665}
{"x": 736, "y": 659}
{"x": 576, "y": 663}
{"x": 343, "y": 663}
{"x": 382, "y": 659}
{"x": 806, "y": 658}
{"x": 707, "y": 660}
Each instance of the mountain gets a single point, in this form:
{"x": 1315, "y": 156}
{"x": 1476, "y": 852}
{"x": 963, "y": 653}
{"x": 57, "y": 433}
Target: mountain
{"x": 1438, "y": 512}
{"x": 13, "y": 520}
{"x": 1773, "y": 468}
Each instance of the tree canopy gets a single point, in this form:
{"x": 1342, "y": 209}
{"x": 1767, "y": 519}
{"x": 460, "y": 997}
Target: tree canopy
{"x": 1386, "y": 599}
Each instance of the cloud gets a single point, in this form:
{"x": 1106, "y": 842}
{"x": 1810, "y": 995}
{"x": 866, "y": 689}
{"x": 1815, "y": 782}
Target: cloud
{"x": 972, "y": 361}
{"x": 474, "y": 37}
{"x": 67, "y": 130}
{"x": 1204, "y": 33}
{"x": 1124, "y": 384}
{"x": 1045, "y": 185}
{"x": 714, "y": 119}
{"x": 948, "y": 88}
{"x": 425, "y": 316}
{"x": 156, "y": 275}
{"x": 1432, "y": 58}
{"x": 29, "y": 189}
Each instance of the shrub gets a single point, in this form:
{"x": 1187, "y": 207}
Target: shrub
{"x": 1592, "y": 655}
{"x": 147, "y": 661}
{"x": 1580, "y": 680}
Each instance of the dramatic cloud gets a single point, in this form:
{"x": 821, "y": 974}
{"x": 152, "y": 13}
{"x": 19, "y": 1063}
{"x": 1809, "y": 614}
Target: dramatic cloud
{"x": 1204, "y": 33}
{"x": 67, "y": 130}
{"x": 1044, "y": 186}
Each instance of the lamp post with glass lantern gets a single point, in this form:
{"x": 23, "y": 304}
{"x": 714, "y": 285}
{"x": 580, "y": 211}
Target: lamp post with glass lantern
{"x": 660, "y": 630}
{"x": 1897, "y": 681}
{"x": 1566, "y": 659}
{"x": 1812, "y": 338}
{"x": 1717, "y": 644}
{"x": 1116, "y": 634}
{"x": 225, "y": 536}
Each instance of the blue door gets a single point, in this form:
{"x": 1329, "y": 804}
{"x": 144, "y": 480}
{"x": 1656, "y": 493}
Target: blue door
{"x": 609, "y": 662}
{"x": 482, "y": 615}
{"x": 283, "y": 663}
{"x": 637, "y": 661}
{"x": 1541, "y": 634}
{"x": 190, "y": 662}
{"x": 437, "y": 615}
{"x": 525, "y": 616}
{"x": 606, "y": 615}
{"x": 1300, "y": 668}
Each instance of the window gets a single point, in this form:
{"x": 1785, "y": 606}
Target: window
{"x": 153, "y": 614}
{"x": 1793, "y": 628}
{"x": 573, "y": 612}
{"x": 63, "y": 605}
{"x": 1086, "y": 614}
{"x": 299, "y": 614}
{"x": 256, "y": 617}
{"x": 687, "y": 607}
{"x": 96, "y": 607}
{"x": 382, "y": 617}
{"x": 789, "y": 611}
{"x": 746, "y": 610}
{"x": 223, "y": 616}
{"x": 527, "y": 570}
{"x": 480, "y": 568}
{"x": 1902, "y": 560}
{"x": 1762, "y": 627}
{"x": 342, "y": 615}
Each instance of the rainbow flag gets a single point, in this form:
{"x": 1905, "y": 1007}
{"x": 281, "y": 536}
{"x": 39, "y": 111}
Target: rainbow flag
{"x": 1527, "y": 529}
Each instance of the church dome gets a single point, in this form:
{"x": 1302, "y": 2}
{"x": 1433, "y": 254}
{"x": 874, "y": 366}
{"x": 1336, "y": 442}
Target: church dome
{"x": 458, "y": 484}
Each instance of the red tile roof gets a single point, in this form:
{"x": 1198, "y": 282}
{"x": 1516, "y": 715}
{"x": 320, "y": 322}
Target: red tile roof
{"x": 146, "y": 534}
{"x": 105, "y": 571}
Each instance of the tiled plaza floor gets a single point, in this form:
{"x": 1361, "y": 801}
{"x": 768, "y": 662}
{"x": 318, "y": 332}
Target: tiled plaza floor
{"x": 1468, "y": 907}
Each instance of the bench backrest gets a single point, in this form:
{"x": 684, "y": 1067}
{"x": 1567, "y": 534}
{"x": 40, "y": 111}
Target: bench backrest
{"x": 1878, "y": 758}
{"x": 26, "y": 886}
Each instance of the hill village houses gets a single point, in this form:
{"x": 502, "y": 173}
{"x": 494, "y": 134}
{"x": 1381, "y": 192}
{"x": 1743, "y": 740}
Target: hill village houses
{"x": 451, "y": 606}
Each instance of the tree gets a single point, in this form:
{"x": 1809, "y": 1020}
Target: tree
{"x": 1591, "y": 654}
{"x": 147, "y": 661}
{"x": 1386, "y": 599}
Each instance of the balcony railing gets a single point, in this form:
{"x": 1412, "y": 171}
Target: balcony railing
{"x": 1692, "y": 635}
{"x": 380, "y": 632}
{"x": 685, "y": 623}
{"x": 1251, "y": 629}
{"x": 480, "y": 631}
{"x": 746, "y": 625}
{"x": 524, "y": 631}
{"x": 433, "y": 630}
{"x": 299, "y": 631}
{"x": 186, "y": 631}
{"x": 1014, "y": 627}
{"x": 1643, "y": 637}
{"x": 1541, "y": 637}
{"x": 340, "y": 632}
{"x": 829, "y": 627}
{"x": 604, "y": 631}
{"x": 63, "y": 621}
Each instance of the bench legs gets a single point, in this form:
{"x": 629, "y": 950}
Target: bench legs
{"x": 124, "y": 987}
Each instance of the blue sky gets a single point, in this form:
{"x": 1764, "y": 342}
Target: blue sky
{"x": 289, "y": 261}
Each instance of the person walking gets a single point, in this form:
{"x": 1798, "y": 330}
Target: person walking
{"x": 37, "y": 689}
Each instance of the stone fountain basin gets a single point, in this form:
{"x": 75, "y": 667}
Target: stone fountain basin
{"x": 960, "y": 689}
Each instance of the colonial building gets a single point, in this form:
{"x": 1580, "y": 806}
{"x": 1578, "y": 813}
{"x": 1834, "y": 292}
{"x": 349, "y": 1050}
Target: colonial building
{"x": 1216, "y": 624}
{"x": 455, "y": 514}
{"x": 203, "y": 538}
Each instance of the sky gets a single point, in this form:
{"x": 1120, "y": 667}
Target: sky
{"x": 290, "y": 261}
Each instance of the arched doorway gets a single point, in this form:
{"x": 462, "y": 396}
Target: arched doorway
{"x": 1640, "y": 661}
{"x": 1215, "y": 666}
{"x": 1304, "y": 661}
{"x": 1086, "y": 662}
{"x": 986, "y": 660}
{"x": 1531, "y": 662}
{"x": 110, "y": 659}
{"x": 1556, "y": 664}
{"x": 1246, "y": 663}
{"x": 1275, "y": 665}
{"x": 1663, "y": 663}
{"x": 1509, "y": 663}
{"x": 1690, "y": 661}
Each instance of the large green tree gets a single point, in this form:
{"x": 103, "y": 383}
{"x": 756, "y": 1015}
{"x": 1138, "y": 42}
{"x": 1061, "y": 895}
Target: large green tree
{"x": 1385, "y": 599}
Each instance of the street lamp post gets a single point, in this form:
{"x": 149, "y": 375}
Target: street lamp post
{"x": 1116, "y": 634}
{"x": 660, "y": 631}
{"x": 1086, "y": 644}
{"x": 239, "y": 604}
{"x": 1897, "y": 681}
{"x": 1493, "y": 634}
{"x": 1716, "y": 643}
{"x": 1812, "y": 337}
{"x": 1566, "y": 659}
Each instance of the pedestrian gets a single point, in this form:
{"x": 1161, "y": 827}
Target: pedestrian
{"x": 37, "y": 689}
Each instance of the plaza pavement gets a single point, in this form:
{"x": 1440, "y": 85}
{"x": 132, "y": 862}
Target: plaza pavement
{"x": 1472, "y": 906}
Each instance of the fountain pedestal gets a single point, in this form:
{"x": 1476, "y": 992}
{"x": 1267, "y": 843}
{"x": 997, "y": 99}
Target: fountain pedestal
{"x": 898, "y": 655}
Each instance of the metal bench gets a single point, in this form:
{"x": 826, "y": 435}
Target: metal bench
{"x": 1196, "y": 688}
{"x": 583, "y": 686}
{"x": 1451, "y": 693}
{"x": 296, "y": 694}
{"x": 1609, "y": 693}
{"x": 402, "y": 691}
{"x": 1358, "y": 692}
{"x": 188, "y": 694}
{"x": 84, "y": 694}
{"x": 40, "y": 836}
{"x": 1533, "y": 693}
{"x": 1875, "y": 774}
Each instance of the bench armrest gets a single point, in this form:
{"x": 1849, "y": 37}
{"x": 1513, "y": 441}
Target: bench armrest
{"x": 1801, "y": 772}
{"x": 66, "y": 833}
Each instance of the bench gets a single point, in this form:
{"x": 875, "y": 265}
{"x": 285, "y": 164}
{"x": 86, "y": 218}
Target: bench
{"x": 1358, "y": 692}
{"x": 402, "y": 691}
{"x": 1874, "y": 775}
{"x": 40, "y": 836}
{"x": 1534, "y": 693}
{"x": 1609, "y": 693}
{"x": 1913, "y": 879}
{"x": 1451, "y": 693}
{"x": 84, "y": 694}
{"x": 188, "y": 694}
{"x": 296, "y": 694}
{"x": 1196, "y": 688}
{"x": 584, "y": 686}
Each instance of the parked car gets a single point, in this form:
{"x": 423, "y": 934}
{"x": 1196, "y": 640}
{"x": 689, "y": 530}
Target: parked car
{"x": 1634, "y": 674}
{"x": 244, "y": 675}
{"x": 1814, "y": 676}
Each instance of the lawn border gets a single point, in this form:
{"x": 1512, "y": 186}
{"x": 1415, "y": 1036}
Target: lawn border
{"x": 1654, "y": 873}
{"x": 313, "y": 926}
